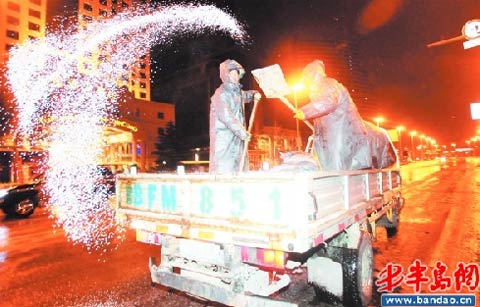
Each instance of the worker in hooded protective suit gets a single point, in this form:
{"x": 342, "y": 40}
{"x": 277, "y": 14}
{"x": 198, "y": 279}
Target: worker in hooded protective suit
{"x": 342, "y": 140}
{"x": 227, "y": 120}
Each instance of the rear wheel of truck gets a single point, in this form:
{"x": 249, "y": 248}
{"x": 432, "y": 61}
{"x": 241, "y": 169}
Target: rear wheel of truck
{"x": 390, "y": 221}
{"x": 357, "y": 268}
{"x": 392, "y": 228}
{"x": 391, "y": 231}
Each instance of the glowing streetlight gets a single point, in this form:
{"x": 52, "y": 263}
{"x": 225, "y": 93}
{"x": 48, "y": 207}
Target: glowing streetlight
{"x": 422, "y": 153}
{"x": 297, "y": 87}
{"x": 412, "y": 134}
{"x": 428, "y": 145}
{"x": 400, "y": 149}
{"x": 379, "y": 120}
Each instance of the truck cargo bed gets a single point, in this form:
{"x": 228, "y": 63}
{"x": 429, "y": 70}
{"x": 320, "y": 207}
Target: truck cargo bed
{"x": 284, "y": 211}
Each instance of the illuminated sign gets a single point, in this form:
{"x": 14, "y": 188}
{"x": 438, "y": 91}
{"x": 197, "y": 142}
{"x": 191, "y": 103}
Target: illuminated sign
{"x": 121, "y": 123}
{"x": 475, "y": 110}
{"x": 471, "y": 29}
{"x": 107, "y": 121}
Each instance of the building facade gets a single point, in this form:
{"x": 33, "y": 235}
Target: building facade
{"x": 138, "y": 80}
{"x": 129, "y": 138}
{"x": 20, "y": 20}
{"x": 140, "y": 123}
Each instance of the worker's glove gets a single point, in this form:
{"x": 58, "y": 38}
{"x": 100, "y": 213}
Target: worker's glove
{"x": 299, "y": 114}
{"x": 257, "y": 96}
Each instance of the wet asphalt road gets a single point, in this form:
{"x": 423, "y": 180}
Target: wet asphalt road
{"x": 440, "y": 222}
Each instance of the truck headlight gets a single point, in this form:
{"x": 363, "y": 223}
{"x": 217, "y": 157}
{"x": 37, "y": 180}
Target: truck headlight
{"x": 3, "y": 192}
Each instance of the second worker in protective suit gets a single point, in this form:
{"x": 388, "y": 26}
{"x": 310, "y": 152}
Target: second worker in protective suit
{"x": 342, "y": 140}
{"x": 227, "y": 120}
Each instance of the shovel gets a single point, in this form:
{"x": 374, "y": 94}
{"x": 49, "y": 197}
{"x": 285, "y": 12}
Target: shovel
{"x": 250, "y": 125}
{"x": 272, "y": 82}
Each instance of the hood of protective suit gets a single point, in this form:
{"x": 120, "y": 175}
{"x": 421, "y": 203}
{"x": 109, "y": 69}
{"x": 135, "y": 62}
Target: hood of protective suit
{"x": 313, "y": 71}
{"x": 227, "y": 66}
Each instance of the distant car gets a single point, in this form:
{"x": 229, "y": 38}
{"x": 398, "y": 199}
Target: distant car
{"x": 20, "y": 200}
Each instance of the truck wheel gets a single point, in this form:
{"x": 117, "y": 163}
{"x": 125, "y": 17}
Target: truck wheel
{"x": 392, "y": 227}
{"x": 24, "y": 208}
{"x": 390, "y": 221}
{"x": 391, "y": 231}
{"x": 358, "y": 273}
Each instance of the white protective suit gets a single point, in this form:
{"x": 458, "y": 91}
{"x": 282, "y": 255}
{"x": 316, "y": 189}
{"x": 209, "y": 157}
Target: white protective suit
{"x": 227, "y": 122}
{"x": 342, "y": 140}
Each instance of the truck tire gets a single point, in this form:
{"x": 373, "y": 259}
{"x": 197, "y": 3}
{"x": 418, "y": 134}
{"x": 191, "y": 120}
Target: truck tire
{"x": 358, "y": 273}
{"x": 391, "y": 223}
{"x": 23, "y": 208}
{"x": 391, "y": 231}
{"x": 392, "y": 226}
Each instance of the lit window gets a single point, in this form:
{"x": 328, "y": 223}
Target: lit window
{"x": 87, "y": 7}
{"x": 34, "y": 13}
{"x": 33, "y": 26}
{"x": 12, "y": 34}
{"x": 87, "y": 18}
{"x": 13, "y": 20}
{"x": 13, "y": 6}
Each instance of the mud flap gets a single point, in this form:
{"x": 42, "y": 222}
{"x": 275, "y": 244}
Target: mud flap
{"x": 356, "y": 272}
{"x": 326, "y": 274}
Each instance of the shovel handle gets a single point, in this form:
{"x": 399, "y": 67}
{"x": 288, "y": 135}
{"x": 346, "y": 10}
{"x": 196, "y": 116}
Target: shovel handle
{"x": 245, "y": 146}
{"x": 291, "y": 107}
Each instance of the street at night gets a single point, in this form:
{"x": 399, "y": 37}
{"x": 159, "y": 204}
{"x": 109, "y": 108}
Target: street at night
{"x": 439, "y": 222}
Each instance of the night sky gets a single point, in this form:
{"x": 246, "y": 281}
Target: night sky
{"x": 424, "y": 89}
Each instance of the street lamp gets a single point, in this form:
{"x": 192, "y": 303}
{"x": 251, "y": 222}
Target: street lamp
{"x": 412, "y": 134}
{"x": 400, "y": 149}
{"x": 296, "y": 88}
{"x": 428, "y": 146}
{"x": 378, "y": 120}
{"x": 422, "y": 152}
